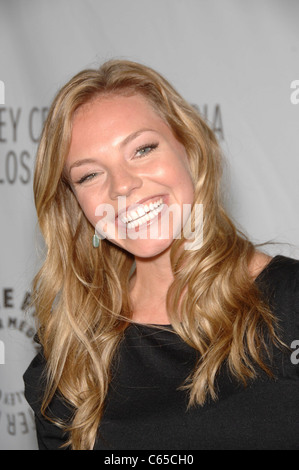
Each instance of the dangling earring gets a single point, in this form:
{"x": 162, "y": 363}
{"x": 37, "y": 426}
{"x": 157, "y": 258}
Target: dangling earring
{"x": 96, "y": 239}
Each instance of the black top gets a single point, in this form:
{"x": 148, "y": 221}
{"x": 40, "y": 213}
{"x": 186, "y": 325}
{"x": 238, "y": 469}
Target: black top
{"x": 145, "y": 410}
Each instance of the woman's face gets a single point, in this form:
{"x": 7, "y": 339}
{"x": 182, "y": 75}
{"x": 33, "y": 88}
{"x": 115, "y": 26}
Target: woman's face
{"x": 129, "y": 173}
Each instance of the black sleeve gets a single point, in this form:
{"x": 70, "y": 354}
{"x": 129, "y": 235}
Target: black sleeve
{"x": 49, "y": 436}
{"x": 281, "y": 285}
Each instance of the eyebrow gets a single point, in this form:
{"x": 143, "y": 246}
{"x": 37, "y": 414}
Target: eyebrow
{"x": 81, "y": 162}
{"x": 123, "y": 143}
{"x": 134, "y": 135}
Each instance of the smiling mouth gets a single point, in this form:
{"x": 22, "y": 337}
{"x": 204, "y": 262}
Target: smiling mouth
{"x": 142, "y": 214}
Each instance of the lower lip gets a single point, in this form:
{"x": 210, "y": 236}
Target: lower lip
{"x": 124, "y": 226}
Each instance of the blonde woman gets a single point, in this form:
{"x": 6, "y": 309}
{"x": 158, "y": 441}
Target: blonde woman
{"x": 161, "y": 326}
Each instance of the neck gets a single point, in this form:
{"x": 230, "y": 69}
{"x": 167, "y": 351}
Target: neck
{"x": 148, "y": 289}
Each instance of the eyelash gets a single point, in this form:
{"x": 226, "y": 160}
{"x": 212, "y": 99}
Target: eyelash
{"x": 85, "y": 178}
{"x": 151, "y": 147}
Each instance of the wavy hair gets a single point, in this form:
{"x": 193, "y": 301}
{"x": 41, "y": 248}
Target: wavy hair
{"x": 81, "y": 295}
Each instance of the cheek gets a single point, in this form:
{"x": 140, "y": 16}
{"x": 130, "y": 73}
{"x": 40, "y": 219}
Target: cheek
{"x": 186, "y": 179}
{"x": 171, "y": 168}
{"x": 180, "y": 179}
{"x": 188, "y": 187}
{"x": 100, "y": 214}
{"x": 88, "y": 205}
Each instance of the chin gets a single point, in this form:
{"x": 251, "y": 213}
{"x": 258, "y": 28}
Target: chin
{"x": 146, "y": 248}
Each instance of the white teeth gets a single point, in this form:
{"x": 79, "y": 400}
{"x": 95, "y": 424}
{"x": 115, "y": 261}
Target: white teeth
{"x": 142, "y": 214}
{"x": 140, "y": 211}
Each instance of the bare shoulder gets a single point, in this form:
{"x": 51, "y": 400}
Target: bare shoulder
{"x": 258, "y": 263}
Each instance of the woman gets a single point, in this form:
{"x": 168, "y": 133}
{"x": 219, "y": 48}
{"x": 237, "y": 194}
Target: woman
{"x": 151, "y": 339}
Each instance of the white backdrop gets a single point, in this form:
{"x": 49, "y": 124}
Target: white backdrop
{"x": 234, "y": 59}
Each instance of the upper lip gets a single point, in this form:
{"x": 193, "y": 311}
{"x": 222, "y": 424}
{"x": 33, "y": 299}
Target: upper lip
{"x": 134, "y": 205}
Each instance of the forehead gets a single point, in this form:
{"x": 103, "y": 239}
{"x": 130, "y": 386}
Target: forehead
{"x": 114, "y": 107}
{"x": 111, "y": 118}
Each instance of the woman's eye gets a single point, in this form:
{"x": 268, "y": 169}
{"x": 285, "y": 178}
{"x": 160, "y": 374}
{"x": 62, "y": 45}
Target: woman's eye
{"x": 86, "y": 178}
{"x": 144, "y": 150}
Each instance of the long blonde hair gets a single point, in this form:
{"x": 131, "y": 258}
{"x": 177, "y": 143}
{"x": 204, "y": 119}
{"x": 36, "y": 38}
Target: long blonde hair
{"x": 81, "y": 294}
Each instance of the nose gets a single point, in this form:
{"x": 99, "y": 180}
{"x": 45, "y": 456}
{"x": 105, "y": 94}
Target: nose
{"x": 123, "y": 181}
